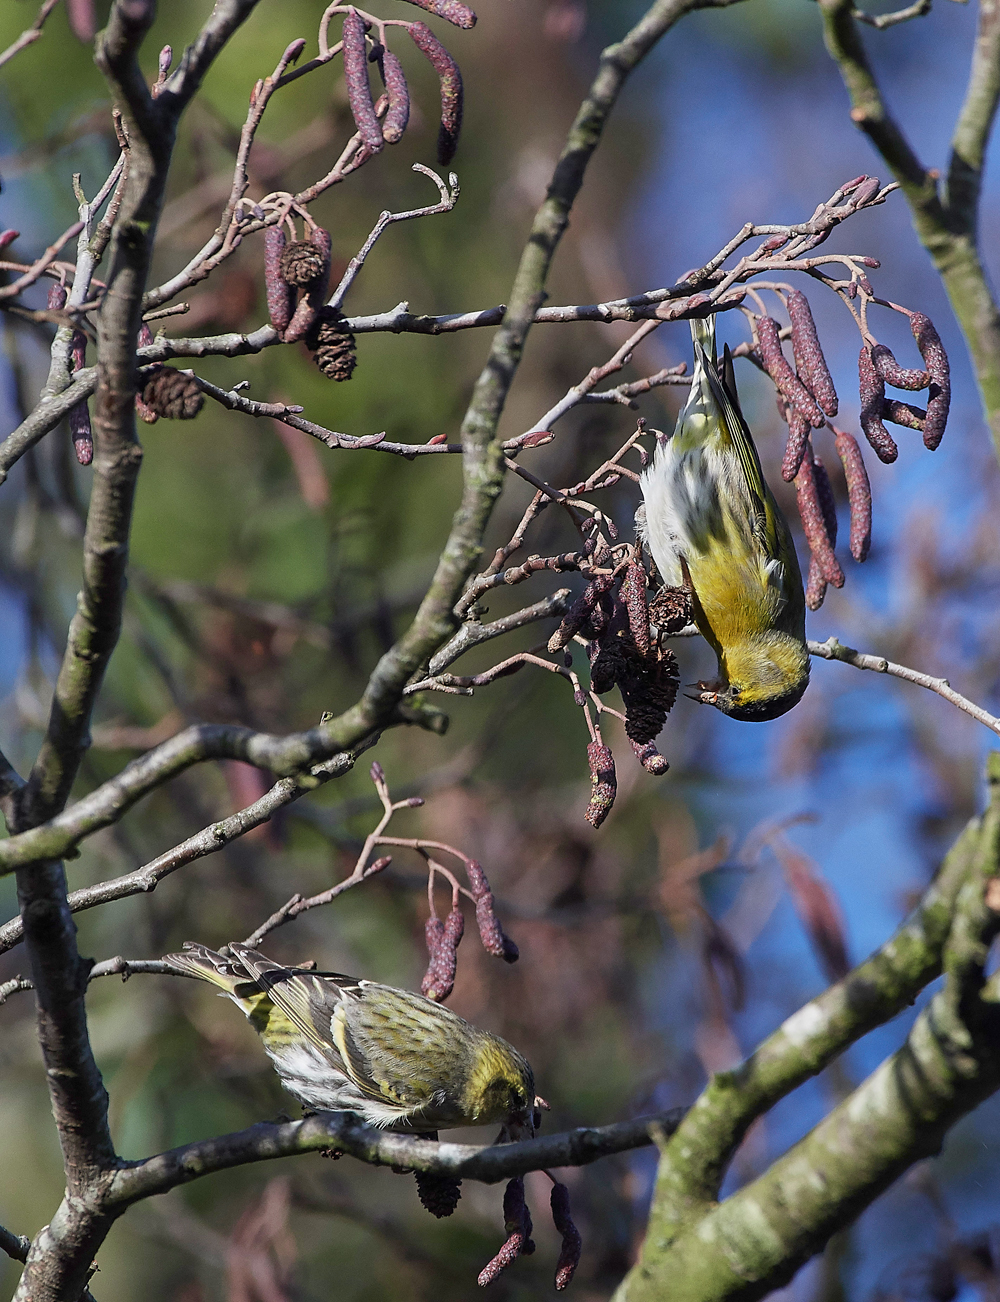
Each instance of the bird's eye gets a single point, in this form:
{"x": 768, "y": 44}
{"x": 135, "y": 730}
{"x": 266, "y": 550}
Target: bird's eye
{"x": 734, "y": 692}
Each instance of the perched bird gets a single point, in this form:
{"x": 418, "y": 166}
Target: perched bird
{"x": 398, "y": 1060}
{"x": 714, "y": 528}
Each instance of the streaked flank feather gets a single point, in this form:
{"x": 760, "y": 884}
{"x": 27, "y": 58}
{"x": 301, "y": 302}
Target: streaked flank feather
{"x": 713, "y": 526}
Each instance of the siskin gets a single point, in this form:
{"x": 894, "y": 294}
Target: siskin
{"x": 713, "y": 527}
{"x": 397, "y": 1059}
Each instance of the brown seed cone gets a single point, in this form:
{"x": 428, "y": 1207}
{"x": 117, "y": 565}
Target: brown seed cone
{"x": 670, "y": 610}
{"x": 333, "y": 345}
{"x": 438, "y": 1193}
{"x": 172, "y": 394}
{"x": 649, "y": 689}
{"x": 301, "y": 263}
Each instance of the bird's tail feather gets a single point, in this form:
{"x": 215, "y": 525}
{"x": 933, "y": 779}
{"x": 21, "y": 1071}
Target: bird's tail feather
{"x": 204, "y": 963}
{"x": 703, "y": 332}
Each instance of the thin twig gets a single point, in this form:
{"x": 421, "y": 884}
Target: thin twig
{"x": 831, "y": 649}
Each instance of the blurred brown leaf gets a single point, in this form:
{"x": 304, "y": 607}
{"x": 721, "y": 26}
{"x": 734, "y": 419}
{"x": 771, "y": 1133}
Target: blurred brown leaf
{"x": 817, "y": 907}
{"x": 262, "y": 1251}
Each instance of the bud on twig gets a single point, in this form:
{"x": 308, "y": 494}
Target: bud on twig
{"x": 359, "y": 91}
{"x": 809, "y": 360}
{"x": 859, "y": 493}
{"x": 451, "y": 89}
{"x": 633, "y": 593}
{"x": 814, "y": 522}
{"x": 865, "y": 192}
{"x": 452, "y": 11}
{"x": 604, "y": 781}
{"x": 569, "y": 1255}
{"x": 517, "y": 1225}
{"x": 280, "y": 296}
{"x": 936, "y": 361}
{"x": 56, "y": 297}
{"x": 776, "y": 365}
{"x": 871, "y": 388}
{"x": 397, "y": 115}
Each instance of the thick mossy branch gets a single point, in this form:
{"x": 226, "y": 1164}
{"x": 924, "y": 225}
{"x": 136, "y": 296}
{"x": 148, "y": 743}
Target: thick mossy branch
{"x": 756, "y": 1240}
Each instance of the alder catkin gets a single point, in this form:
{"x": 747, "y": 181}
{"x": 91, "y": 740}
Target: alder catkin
{"x": 936, "y": 361}
{"x": 809, "y": 360}
{"x": 859, "y": 493}
{"x": 871, "y": 388}
{"x": 452, "y": 93}
{"x": 359, "y": 91}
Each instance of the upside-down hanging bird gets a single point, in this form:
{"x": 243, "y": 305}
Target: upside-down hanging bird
{"x": 714, "y": 528}
{"x": 398, "y": 1060}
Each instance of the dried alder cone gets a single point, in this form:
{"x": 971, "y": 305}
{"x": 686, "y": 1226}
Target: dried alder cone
{"x": 439, "y": 1194}
{"x": 172, "y": 394}
{"x": 333, "y": 346}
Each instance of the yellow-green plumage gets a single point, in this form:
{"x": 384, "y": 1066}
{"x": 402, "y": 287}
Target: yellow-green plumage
{"x": 713, "y": 526}
{"x": 397, "y": 1059}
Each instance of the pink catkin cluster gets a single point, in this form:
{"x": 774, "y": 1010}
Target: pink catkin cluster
{"x": 517, "y": 1225}
{"x": 810, "y": 364}
{"x": 293, "y": 308}
{"x": 443, "y": 939}
{"x": 786, "y": 381}
{"x": 936, "y": 361}
{"x": 397, "y": 115}
{"x": 819, "y": 523}
{"x": 495, "y": 941}
{"x": 633, "y": 593}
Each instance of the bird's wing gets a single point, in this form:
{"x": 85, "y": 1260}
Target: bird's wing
{"x": 398, "y": 1045}
{"x": 763, "y": 512}
{"x": 308, "y": 999}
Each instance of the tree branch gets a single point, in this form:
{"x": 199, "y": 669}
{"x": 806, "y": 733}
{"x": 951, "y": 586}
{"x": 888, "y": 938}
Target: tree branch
{"x": 208, "y": 841}
{"x": 344, "y": 1132}
{"x": 831, "y": 649}
{"x": 949, "y": 1063}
